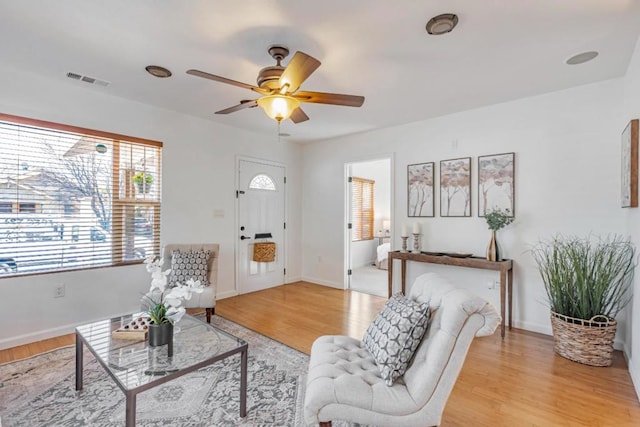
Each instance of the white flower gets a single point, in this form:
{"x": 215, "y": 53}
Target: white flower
{"x": 171, "y": 298}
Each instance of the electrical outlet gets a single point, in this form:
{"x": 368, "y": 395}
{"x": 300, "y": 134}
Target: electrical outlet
{"x": 496, "y": 284}
{"x": 58, "y": 291}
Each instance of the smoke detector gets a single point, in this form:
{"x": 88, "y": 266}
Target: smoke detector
{"x": 442, "y": 24}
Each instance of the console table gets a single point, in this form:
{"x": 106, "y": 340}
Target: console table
{"x": 505, "y": 267}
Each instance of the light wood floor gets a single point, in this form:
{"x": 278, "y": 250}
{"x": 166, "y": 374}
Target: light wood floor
{"x": 518, "y": 381}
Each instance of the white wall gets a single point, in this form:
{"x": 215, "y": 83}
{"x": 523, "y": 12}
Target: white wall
{"x": 632, "y": 216}
{"x": 567, "y": 147}
{"x": 364, "y": 252}
{"x": 198, "y": 177}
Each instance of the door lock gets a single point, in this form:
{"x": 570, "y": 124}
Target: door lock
{"x": 244, "y": 237}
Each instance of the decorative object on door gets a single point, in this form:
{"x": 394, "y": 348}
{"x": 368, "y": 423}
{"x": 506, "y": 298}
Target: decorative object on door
{"x": 165, "y": 304}
{"x": 630, "y": 165}
{"x": 588, "y": 282}
{"x": 496, "y": 183}
{"x": 264, "y": 252}
{"x": 143, "y": 182}
{"x": 496, "y": 219}
{"x": 420, "y": 193}
{"x": 455, "y": 187}
{"x": 416, "y": 238}
{"x": 279, "y": 86}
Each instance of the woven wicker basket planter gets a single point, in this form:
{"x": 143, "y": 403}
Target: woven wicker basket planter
{"x": 585, "y": 341}
{"x": 264, "y": 252}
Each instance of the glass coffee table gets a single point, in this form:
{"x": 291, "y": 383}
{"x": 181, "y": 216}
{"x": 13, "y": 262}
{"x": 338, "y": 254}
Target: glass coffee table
{"x": 136, "y": 367}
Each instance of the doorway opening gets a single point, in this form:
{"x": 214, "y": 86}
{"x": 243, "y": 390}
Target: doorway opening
{"x": 369, "y": 231}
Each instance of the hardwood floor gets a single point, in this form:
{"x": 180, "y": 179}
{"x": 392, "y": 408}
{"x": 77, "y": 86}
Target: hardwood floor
{"x": 518, "y": 381}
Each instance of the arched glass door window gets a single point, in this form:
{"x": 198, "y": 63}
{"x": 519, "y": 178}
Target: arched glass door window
{"x": 262, "y": 182}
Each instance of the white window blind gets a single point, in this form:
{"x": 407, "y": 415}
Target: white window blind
{"x": 361, "y": 209}
{"x": 74, "y": 198}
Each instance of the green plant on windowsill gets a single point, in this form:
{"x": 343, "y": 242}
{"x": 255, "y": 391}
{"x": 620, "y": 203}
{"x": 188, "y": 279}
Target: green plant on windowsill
{"x": 142, "y": 177}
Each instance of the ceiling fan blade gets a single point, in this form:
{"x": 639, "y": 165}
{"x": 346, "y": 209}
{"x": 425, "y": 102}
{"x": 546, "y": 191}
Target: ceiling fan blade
{"x": 213, "y": 77}
{"x": 298, "y": 116}
{"x": 243, "y": 104}
{"x": 298, "y": 70}
{"x": 330, "y": 98}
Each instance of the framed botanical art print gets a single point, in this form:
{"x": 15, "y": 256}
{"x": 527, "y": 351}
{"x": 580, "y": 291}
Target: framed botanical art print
{"x": 629, "y": 190}
{"x": 496, "y": 188}
{"x": 455, "y": 187}
{"x": 420, "y": 192}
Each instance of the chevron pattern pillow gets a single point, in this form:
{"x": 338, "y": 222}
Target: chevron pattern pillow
{"x": 187, "y": 265}
{"x": 395, "y": 334}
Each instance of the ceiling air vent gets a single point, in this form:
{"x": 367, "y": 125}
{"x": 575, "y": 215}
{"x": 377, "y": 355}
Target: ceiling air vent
{"x": 87, "y": 79}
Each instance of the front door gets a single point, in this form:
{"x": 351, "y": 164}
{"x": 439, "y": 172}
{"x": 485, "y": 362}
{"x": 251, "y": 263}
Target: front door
{"x": 261, "y": 219}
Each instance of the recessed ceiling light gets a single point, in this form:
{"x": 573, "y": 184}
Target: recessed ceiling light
{"x": 442, "y": 24}
{"x": 581, "y": 58}
{"x": 158, "y": 71}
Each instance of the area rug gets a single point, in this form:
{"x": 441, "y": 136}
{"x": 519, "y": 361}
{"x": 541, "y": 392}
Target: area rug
{"x": 40, "y": 391}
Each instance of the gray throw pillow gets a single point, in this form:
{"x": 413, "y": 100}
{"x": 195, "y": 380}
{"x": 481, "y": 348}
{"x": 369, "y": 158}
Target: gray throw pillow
{"x": 395, "y": 334}
{"x": 189, "y": 264}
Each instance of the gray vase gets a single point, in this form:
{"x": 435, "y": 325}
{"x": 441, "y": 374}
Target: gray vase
{"x": 160, "y": 334}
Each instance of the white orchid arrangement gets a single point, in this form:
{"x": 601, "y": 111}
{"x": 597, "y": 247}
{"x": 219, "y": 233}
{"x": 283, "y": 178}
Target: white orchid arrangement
{"x": 170, "y": 307}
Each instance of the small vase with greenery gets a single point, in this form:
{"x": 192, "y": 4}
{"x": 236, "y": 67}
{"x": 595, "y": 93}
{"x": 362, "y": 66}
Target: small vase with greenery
{"x": 143, "y": 181}
{"x": 496, "y": 219}
{"x": 587, "y": 281}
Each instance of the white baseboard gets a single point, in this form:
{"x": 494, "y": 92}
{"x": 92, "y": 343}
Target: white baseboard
{"x": 36, "y": 336}
{"x": 293, "y": 279}
{"x": 635, "y": 376}
{"x": 323, "y": 282}
{"x": 227, "y": 294}
{"x": 48, "y": 333}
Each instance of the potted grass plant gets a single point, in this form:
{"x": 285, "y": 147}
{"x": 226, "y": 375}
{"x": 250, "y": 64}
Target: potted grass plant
{"x": 587, "y": 281}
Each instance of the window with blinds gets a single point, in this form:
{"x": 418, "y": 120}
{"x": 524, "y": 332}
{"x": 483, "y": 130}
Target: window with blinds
{"x": 361, "y": 209}
{"x": 73, "y": 198}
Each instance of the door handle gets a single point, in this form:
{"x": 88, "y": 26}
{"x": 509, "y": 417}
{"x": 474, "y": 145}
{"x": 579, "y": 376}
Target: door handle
{"x": 244, "y": 237}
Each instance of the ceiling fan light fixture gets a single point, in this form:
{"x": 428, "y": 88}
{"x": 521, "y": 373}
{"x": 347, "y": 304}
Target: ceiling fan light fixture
{"x": 278, "y": 107}
{"x": 442, "y": 24}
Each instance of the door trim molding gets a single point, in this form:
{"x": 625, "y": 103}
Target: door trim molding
{"x": 347, "y": 205}
{"x": 236, "y": 246}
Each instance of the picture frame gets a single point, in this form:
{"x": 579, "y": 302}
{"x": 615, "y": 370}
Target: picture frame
{"x": 629, "y": 167}
{"x": 420, "y": 190}
{"x": 455, "y": 187}
{"x": 496, "y": 183}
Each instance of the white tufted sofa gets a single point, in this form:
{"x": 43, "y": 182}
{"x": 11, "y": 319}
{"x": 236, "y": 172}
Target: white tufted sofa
{"x": 344, "y": 382}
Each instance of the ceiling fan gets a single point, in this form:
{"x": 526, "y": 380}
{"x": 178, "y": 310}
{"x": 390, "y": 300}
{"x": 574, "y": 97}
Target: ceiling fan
{"x": 279, "y": 86}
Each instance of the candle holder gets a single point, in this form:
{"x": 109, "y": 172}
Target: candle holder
{"x": 416, "y": 243}
{"x": 404, "y": 244}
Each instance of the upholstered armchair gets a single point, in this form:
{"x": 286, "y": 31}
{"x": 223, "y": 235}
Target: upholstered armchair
{"x": 344, "y": 382}
{"x": 182, "y": 271}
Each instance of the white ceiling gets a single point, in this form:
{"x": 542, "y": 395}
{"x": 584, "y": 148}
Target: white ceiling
{"x": 501, "y": 50}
